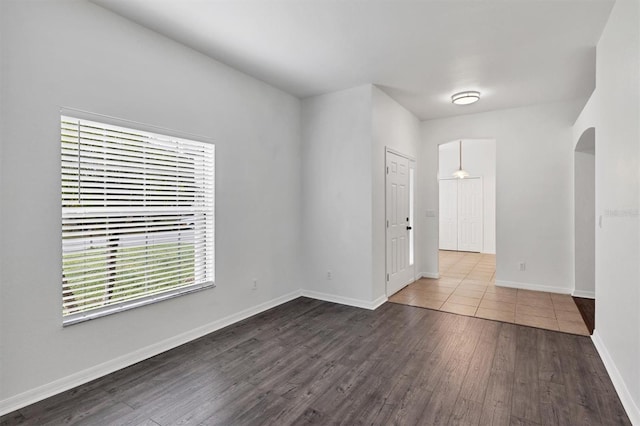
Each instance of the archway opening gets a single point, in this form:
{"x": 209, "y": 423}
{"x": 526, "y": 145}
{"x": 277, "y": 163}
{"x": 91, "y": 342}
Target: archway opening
{"x": 467, "y": 208}
{"x": 585, "y": 224}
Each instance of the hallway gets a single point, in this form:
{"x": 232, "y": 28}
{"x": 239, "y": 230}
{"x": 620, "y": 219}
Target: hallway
{"x": 467, "y": 287}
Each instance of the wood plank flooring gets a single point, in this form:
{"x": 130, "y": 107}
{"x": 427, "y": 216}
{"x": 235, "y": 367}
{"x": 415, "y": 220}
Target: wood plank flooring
{"x": 587, "y": 308}
{"x": 313, "y": 362}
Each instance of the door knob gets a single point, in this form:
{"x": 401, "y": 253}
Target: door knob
{"x": 409, "y": 228}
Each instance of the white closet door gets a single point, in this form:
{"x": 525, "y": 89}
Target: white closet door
{"x": 470, "y": 214}
{"x": 448, "y": 214}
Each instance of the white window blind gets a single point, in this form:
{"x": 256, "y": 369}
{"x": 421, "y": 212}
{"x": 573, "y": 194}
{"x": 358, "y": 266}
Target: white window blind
{"x": 137, "y": 217}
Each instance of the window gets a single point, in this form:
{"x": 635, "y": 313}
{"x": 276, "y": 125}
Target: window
{"x": 137, "y": 218}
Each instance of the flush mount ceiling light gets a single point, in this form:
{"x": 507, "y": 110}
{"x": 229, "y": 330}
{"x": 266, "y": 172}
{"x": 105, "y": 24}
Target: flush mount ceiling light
{"x": 460, "y": 173}
{"x": 465, "y": 98}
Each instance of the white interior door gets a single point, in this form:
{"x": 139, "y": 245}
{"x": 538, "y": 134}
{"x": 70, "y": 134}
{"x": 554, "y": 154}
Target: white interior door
{"x": 470, "y": 214}
{"x": 399, "y": 219}
{"x": 448, "y": 217}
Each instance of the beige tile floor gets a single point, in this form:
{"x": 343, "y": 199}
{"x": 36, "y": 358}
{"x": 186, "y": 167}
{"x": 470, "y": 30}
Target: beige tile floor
{"x": 467, "y": 287}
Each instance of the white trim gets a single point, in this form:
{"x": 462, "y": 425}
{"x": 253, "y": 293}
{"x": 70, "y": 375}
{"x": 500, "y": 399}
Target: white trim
{"x": 616, "y": 378}
{"x": 358, "y": 303}
{"x": 69, "y": 382}
{"x": 455, "y": 178}
{"x": 434, "y": 275}
{"x": 398, "y": 153}
{"x": 584, "y": 294}
{"x": 378, "y": 302}
{"x": 533, "y": 286}
{"x": 409, "y": 281}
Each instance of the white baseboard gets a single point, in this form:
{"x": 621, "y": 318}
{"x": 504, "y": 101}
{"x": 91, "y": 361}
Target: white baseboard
{"x": 618, "y": 381}
{"x": 533, "y": 286}
{"x": 585, "y": 294}
{"x": 378, "y": 302}
{"x": 358, "y": 303}
{"x": 63, "y": 384}
{"x": 433, "y": 275}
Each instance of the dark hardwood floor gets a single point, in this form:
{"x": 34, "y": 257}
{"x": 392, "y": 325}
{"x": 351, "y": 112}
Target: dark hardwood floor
{"x": 587, "y": 308}
{"x": 313, "y": 362}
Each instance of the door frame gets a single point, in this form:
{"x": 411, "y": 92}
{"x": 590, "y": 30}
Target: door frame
{"x": 412, "y": 195}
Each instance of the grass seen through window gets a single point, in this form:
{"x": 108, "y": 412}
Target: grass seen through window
{"x": 172, "y": 265}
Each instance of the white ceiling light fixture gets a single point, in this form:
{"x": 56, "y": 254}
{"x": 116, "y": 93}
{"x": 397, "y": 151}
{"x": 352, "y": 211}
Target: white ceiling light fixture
{"x": 465, "y": 98}
{"x": 460, "y": 173}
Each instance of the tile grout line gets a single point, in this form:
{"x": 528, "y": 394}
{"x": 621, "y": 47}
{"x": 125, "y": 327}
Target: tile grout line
{"x": 465, "y": 267}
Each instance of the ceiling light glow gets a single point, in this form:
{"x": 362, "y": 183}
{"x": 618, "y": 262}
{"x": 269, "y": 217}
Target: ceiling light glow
{"x": 465, "y": 98}
{"x": 460, "y": 174}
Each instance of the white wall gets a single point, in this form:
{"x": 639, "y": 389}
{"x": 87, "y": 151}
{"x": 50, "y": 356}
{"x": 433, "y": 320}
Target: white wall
{"x": 261, "y": 171}
{"x": 77, "y": 54}
{"x": 585, "y": 223}
{"x": 479, "y": 159}
{"x": 396, "y": 128}
{"x": 336, "y": 185}
{"x": 2, "y": 114}
{"x": 613, "y": 110}
{"x": 344, "y": 138}
{"x": 534, "y": 190}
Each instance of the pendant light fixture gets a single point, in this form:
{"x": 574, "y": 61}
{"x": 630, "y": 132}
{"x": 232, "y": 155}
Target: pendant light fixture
{"x": 460, "y": 173}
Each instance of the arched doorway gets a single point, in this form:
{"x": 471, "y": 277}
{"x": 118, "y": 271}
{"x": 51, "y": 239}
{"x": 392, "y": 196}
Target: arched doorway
{"x": 585, "y": 215}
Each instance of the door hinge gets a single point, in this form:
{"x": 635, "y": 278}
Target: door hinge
{"x": 387, "y": 223}
{"x": 387, "y": 169}
{"x": 387, "y": 277}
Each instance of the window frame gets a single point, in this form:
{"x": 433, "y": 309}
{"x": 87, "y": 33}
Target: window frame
{"x": 203, "y": 247}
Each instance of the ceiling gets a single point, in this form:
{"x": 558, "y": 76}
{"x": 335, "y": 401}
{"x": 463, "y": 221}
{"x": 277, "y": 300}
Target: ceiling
{"x": 515, "y": 52}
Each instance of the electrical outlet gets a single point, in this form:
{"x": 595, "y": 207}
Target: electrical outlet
{"x": 522, "y": 266}
{"x": 255, "y": 284}
{"x": 329, "y": 275}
